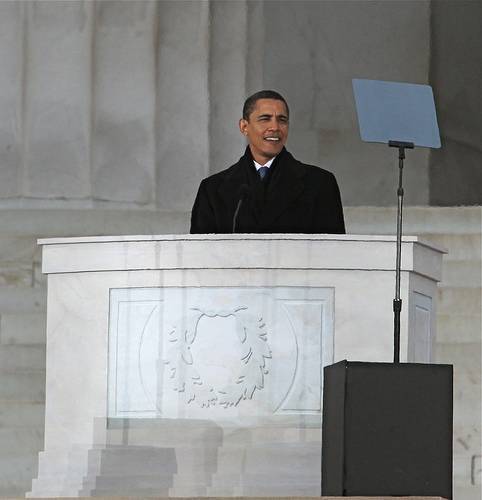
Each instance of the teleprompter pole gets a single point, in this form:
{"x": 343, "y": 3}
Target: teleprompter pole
{"x": 397, "y": 302}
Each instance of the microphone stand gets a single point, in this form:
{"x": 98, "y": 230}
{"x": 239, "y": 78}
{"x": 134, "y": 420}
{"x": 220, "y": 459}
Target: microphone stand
{"x": 243, "y": 194}
{"x": 235, "y": 218}
{"x": 397, "y": 302}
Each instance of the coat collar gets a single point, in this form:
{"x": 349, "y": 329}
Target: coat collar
{"x": 285, "y": 186}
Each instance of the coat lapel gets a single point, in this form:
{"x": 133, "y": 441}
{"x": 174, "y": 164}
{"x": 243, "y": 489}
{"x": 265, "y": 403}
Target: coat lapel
{"x": 285, "y": 187}
{"x": 229, "y": 190}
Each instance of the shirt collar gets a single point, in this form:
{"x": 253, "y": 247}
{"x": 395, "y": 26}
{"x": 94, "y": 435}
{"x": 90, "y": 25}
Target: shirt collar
{"x": 267, "y": 164}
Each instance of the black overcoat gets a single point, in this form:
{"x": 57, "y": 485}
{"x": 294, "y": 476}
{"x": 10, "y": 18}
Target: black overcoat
{"x": 295, "y": 198}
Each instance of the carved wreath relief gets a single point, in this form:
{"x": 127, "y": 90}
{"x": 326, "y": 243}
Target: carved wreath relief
{"x": 254, "y": 351}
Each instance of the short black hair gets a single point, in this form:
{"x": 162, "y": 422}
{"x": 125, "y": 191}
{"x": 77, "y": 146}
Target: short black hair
{"x": 251, "y": 101}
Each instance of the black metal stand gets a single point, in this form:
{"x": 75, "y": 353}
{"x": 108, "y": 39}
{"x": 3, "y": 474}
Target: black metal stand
{"x": 397, "y": 302}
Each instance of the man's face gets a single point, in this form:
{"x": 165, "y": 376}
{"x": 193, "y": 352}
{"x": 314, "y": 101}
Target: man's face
{"x": 266, "y": 129}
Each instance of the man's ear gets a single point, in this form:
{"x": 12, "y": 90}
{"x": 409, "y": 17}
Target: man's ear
{"x": 243, "y": 124}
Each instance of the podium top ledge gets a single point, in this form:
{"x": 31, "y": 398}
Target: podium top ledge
{"x": 238, "y": 251}
{"x": 235, "y": 237}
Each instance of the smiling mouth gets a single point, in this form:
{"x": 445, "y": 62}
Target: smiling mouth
{"x": 272, "y": 139}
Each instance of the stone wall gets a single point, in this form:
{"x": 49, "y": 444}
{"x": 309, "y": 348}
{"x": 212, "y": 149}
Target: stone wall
{"x": 132, "y": 103}
{"x": 23, "y": 298}
{"x": 456, "y": 73}
{"x": 114, "y": 111}
{"x": 458, "y": 231}
{"x": 105, "y": 103}
{"x": 312, "y": 52}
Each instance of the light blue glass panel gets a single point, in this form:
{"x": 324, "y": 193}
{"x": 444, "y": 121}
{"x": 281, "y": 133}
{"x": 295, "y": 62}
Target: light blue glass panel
{"x": 394, "y": 111}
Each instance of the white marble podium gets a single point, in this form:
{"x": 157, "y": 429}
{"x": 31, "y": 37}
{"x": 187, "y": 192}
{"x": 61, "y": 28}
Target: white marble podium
{"x": 191, "y": 365}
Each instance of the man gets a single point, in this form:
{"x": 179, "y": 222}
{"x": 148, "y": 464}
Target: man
{"x": 267, "y": 190}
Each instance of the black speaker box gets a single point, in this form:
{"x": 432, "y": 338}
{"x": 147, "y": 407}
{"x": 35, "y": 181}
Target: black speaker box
{"x": 387, "y": 429}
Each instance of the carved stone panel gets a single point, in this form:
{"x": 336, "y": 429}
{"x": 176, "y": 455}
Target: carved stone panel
{"x": 218, "y": 352}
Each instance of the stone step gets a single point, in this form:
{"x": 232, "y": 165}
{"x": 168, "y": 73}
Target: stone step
{"x": 465, "y": 328}
{"x": 459, "y": 314}
{"x": 466, "y": 359}
{"x": 20, "y": 442}
{"x": 462, "y": 468}
{"x": 458, "y": 246}
{"x": 19, "y": 415}
{"x": 256, "y": 485}
{"x": 20, "y": 357}
{"x": 127, "y": 492}
{"x": 170, "y": 433}
{"x": 302, "y": 459}
{"x": 17, "y": 471}
{"x": 22, "y": 387}
{"x": 18, "y": 248}
{"x": 467, "y": 439}
{"x": 20, "y": 228}
{"x": 15, "y": 490}
{"x": 466, "y": 401}
{"x": 305, "y": 458}
{"x": 466, "y": 491}
{"x": 87, "y": 221}
{"x": 290, "y": 433}
{"x": 221, "y": 478}
{"x": 292, "y": 468}
{"x": 23, "y": 328}
{"x": 281, "y": 482}
{"x": 134, "y": 460}
{"x": 180, "y": 489}
{"x": 465, "y": 301}
{"x": 440, "y": 220}
{"x": 16, "y": 274}
{"x": 151, "y": 480}
{"x": 19, "y": 300}
{"x": 461, "y": 274}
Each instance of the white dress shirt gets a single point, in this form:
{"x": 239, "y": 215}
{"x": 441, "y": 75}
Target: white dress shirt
{"x": 267, "y": 164}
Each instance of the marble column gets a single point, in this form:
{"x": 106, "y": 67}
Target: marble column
{"x": 124, "y": 97}
{"x": 227, "y": 81}
{"x": 58, "y": 107}
{"x": 182, "y": 106}
{"x": 11, "y": 80}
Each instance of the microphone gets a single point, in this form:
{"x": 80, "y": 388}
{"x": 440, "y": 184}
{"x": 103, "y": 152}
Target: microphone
{"x": 242, "y": 195}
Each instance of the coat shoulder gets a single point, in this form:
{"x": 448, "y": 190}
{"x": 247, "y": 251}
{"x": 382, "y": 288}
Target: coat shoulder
{"x": 317, "y": 172}
{"x": 218, "y": 178}
{"x": 316, "y": 176}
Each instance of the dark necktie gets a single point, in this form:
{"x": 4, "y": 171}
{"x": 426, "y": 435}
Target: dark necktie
{"x": 262, "y": 171}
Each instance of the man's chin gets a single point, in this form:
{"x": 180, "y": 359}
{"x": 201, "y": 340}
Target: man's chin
{"x": 272, "y": 152}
